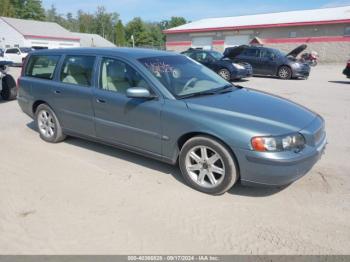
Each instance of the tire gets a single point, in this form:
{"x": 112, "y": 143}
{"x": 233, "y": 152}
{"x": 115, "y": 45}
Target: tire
{"x": 47, "y": 123}
{"x": 284, "y": 72}
{"x": 225, "y": 74}
{"x": 9, "y": 89}
{"x": 202, "y": 172}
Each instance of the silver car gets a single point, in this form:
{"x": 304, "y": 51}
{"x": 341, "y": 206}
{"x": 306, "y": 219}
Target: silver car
{"x": 171, "y": 108}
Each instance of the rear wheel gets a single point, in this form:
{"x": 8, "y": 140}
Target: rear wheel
{"x": 9, "y": 89}
{"x": 48, "y": 125}
{"x": 207, "y": 165}
{"x": 225, "y": 74}
{"x": 285, "y": 72}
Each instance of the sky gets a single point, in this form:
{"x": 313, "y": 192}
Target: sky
{"x": 157, "y": 10}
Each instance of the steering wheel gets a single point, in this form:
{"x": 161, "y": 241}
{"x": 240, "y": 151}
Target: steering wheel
{"x": 189, "y": 82}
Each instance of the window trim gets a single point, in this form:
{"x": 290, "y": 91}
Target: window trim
{"x": 61, "y": 67}
{"x": 58, "y": 64}
{"x": 152, "y": 90}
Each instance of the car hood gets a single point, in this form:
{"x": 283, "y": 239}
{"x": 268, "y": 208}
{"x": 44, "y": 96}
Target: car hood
{"x": 295, "y": 52}
{"x": 250, "y": 107}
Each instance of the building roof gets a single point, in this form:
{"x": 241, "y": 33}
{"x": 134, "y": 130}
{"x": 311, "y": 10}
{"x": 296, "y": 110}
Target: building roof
{"x": 292, "y": 18}
{"x": 39, "y": 29}
{"x": 92, "y": 40}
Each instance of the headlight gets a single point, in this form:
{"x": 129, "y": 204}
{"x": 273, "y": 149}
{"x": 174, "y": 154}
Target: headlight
{"x": 238, "y": 66}
{"x": 294, "y": 142}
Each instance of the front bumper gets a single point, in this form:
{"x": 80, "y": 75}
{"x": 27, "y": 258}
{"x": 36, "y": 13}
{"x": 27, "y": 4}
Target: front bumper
{"x": 302, "y": 73}
{"x": 281, "y": 168}
{"x": 243, "y": 73}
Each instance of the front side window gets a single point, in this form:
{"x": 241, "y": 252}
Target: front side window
{"x": 267, "y": 54}
{"x": 117, "y": 76}
{"x": 182, "y": 76}
{"x": 216, "y": 55}
{"x": 77, "y": 70}
{"x": 42, "y": 66}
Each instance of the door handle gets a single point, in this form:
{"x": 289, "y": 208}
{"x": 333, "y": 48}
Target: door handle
{"x": 57, "y": 92}
{"x": 101, "y": 101}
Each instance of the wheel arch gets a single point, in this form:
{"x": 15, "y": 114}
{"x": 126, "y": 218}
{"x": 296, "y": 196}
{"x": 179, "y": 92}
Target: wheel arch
{"x": 36, "y": 104}
{"x": 284, "y": 65}
{"x": 187, "y": 136}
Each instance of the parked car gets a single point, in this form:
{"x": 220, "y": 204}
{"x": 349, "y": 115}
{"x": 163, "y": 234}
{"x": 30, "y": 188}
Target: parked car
{"x": 15, "y": 55}
{"x": 270, "y": 61}
{"x": 222, "y": 66}
{"x": 346, "y": 71}
{"x": 8, "y": 90}
{"x": 171, "y": 108}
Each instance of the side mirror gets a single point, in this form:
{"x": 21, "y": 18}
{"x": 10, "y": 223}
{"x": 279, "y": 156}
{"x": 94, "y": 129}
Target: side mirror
{"x": 139, "y": 92}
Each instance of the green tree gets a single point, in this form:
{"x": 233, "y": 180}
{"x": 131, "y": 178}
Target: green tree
{"x": 120, "y": 34}
{"x": 137, "y": 28}
{"x": 173, "y": 22}
{"x": 86, "y": 22}
{"x": 29, "y": 9}
{"x": 105, "y": 23}
{"x": 7, "y": 8}
{"x": 155, "y": 32}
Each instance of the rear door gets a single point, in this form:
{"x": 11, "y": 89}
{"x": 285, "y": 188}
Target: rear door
{"x": 73, "y": 94}
{"x": 122, "y": 120}
{"x": 268, "y": 62}
{"x": 251, "y": 56}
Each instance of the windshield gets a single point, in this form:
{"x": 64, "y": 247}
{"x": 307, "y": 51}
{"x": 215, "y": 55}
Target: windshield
{"x": 279, "y": 52}
{"x": 183, "y": 76}
{"x": 216, "y": 55}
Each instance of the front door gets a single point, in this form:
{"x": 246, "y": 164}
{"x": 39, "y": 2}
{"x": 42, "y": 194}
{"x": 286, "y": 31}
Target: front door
{"x": 121, "y": 120}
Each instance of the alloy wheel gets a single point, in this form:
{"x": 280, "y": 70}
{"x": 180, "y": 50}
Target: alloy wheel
{"x": 46, "y": 123}
{"x": 224, "y": 74}
{"x": 205, "y": 166}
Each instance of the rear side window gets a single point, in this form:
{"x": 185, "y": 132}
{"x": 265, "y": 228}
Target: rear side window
{"x": 251, "y": 52}
{"x": 77, "y": 70}
{"x": 12, "y": 51}
{"x": 42, "y": 66}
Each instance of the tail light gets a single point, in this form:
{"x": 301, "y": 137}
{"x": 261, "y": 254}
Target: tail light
{"x": 348, "y": 64}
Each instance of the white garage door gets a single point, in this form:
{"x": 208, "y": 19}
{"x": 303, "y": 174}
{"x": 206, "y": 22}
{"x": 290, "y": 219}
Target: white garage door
{"x": 202, "y": 42}
{"x": 236, "y": 40}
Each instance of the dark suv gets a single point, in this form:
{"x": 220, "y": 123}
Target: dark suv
{"x": 270, "y": 61}
{"x": 221, "y": 65}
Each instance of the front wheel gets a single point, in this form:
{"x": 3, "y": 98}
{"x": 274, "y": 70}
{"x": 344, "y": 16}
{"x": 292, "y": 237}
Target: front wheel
{"x": 207, "y": 165}
{"x": 9, "y": 89}
{"x": 49, "y": 127}
{"x": 285, "y": 72}
{"x": 225, "y": 74}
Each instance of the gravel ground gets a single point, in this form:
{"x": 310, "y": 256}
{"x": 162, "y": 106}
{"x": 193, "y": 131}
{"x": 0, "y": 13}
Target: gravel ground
{"x": 79, "y": 197}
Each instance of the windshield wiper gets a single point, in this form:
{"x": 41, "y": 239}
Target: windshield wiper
{"x": 203, "y": 93}
{"x": 220, "y": 90}
{"x": 224, "y": 89}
